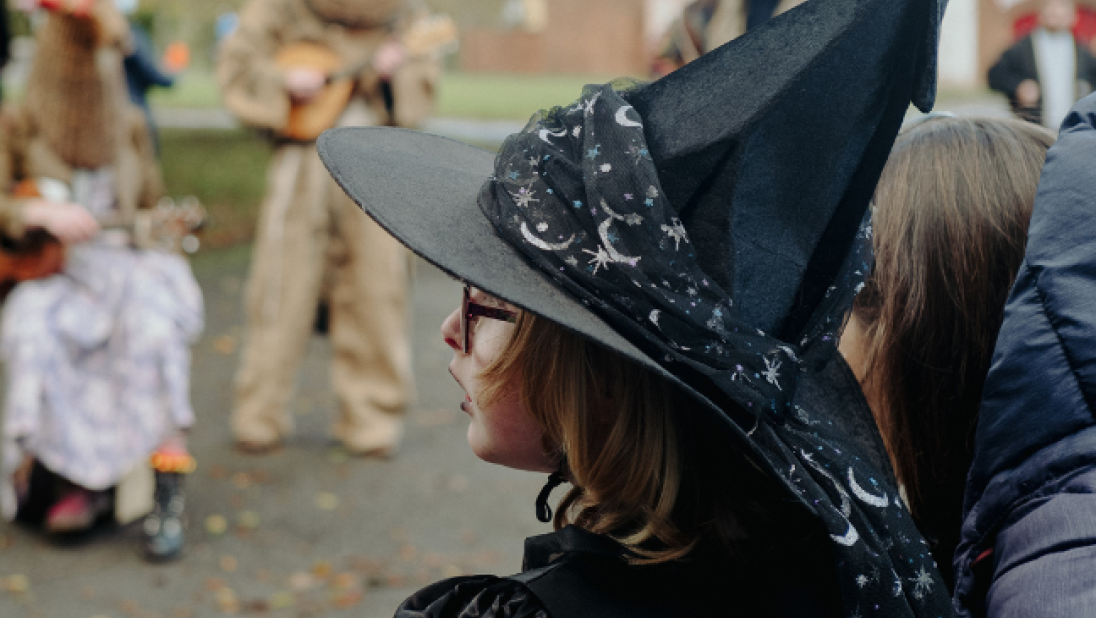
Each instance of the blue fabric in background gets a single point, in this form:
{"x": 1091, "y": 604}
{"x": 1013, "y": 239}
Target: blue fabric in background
{"x": 142, "y": 73}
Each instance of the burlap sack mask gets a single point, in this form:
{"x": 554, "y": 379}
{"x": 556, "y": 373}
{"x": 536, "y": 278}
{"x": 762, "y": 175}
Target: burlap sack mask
{"x": 358, "y": 13}
{"x": 75, "y": 91}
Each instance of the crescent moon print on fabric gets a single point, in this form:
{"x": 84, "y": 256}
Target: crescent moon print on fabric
{"x": 654, "y": 316}
{"x": 623, "y": 120}
{"x": 544, "y": 133}
{"x": 846, "y": 502}
{"x": 603, "y": 232}
{"x": 849, "y": 538}
{"x": 881, "y": 502}
{"x": 540, "y": 244}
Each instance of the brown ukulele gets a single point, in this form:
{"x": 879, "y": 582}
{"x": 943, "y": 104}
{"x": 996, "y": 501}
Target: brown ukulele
{"x": 436, "y": 34}
{"x": 168, "y": 226}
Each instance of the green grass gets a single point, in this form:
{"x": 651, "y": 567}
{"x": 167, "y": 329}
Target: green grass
{"x": 192, "y": 89}
{"x": 488, "y": 96}
{"x": 226, "y": 170}
{"x": 491, "y": 96}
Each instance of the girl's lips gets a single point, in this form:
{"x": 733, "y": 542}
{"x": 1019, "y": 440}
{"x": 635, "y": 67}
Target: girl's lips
{"x": 464, "y": 404}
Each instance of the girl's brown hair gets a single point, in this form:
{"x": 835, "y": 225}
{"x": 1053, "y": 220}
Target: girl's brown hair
{"x": 950, "y": 227}
{"x": 620, "y": 429}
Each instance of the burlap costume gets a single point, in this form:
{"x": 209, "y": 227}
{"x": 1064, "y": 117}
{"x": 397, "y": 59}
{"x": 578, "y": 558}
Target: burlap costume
{"x": 703, "y": 26}
{"x": 97, "y": 357}
{"x": 312, "y": 240}
{"x": 75, "y": 115}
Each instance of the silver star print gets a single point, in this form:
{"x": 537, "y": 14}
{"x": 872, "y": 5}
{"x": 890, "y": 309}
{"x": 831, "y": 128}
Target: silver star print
{"x": 633, "y": 219}
{"x": 771, "y": 374}
{"x": 601, "y": 258}
{"x": 523, "y": 197}
{"x": 677, "y": 232}
{"x": 589, "y": 109}
{"x": 922, "y": 583}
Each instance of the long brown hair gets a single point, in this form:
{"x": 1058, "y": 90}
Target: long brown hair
{"x": 950, "y": 227}
{"x": 622, "y": 431}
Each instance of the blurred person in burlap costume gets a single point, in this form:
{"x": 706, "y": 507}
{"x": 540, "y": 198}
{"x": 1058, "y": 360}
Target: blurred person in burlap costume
{"x": 706, "y": 24}
{"x": 97, "y": 356}
{"x": 313, "y": 245}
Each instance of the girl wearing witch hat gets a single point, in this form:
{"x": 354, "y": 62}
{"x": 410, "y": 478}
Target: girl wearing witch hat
{"x": 657, "y": 276}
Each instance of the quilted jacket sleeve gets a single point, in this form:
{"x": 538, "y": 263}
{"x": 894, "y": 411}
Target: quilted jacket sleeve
{"x": 1029, "y": 533}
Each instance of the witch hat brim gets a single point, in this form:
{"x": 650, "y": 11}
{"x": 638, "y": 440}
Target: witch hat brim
{"x": 427, "y": 199}
{"x": 872, "y": 56}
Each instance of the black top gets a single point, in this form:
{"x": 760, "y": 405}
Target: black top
{"x": 573, "y": 573}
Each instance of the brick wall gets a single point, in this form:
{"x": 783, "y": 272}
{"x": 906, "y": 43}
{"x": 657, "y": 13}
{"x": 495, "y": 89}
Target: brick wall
{"x": 581, "y": 36}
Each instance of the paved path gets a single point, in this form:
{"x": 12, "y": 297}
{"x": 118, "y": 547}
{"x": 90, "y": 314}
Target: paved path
{"x": 310, "y": 531}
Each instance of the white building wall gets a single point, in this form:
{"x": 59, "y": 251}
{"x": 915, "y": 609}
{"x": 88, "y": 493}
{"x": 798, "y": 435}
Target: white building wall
{"x": 658, "y": 16}
{"x": 959, "y": 45}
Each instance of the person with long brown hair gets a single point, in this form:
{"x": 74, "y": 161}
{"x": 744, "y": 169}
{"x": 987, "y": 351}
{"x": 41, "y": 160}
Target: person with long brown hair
{"x": 951, "y": 213}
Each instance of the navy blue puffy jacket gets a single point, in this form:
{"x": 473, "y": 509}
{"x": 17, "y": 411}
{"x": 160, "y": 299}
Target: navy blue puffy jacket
{"x": 1029, "y": 532}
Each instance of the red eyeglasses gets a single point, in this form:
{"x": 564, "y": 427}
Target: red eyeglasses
{"x": 470, "y": 310}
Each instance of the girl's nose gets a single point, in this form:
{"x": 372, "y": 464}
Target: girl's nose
{"x": 450, "y": 330}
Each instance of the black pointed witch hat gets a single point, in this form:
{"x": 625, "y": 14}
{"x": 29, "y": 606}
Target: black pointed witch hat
{"x": 702, "y": 225}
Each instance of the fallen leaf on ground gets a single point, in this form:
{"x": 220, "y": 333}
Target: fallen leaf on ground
{"x": 256, "y": 606}
{"x": 248, "y": 520}
{"x": 348, "y": 598}
{"x": 218, "y": 472}
{"x": 346, "y": 579}
{"x": 227, "y": 601}
{"x": 451, "y": 570}
{"x": 281, "y": 599}
{"x": 216, "y": 524}
{"x": 327, "y": 501}
{"x": 408, "y": 552}
{"x": 322, "y": 569}
{"x": 241, "y": 480}
{"x": 301, "y": 581}
{"x": 228, "y": 564}
{"x": 16, "y": 583}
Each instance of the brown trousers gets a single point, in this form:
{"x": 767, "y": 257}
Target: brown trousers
{"x": 314, "y": 240}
